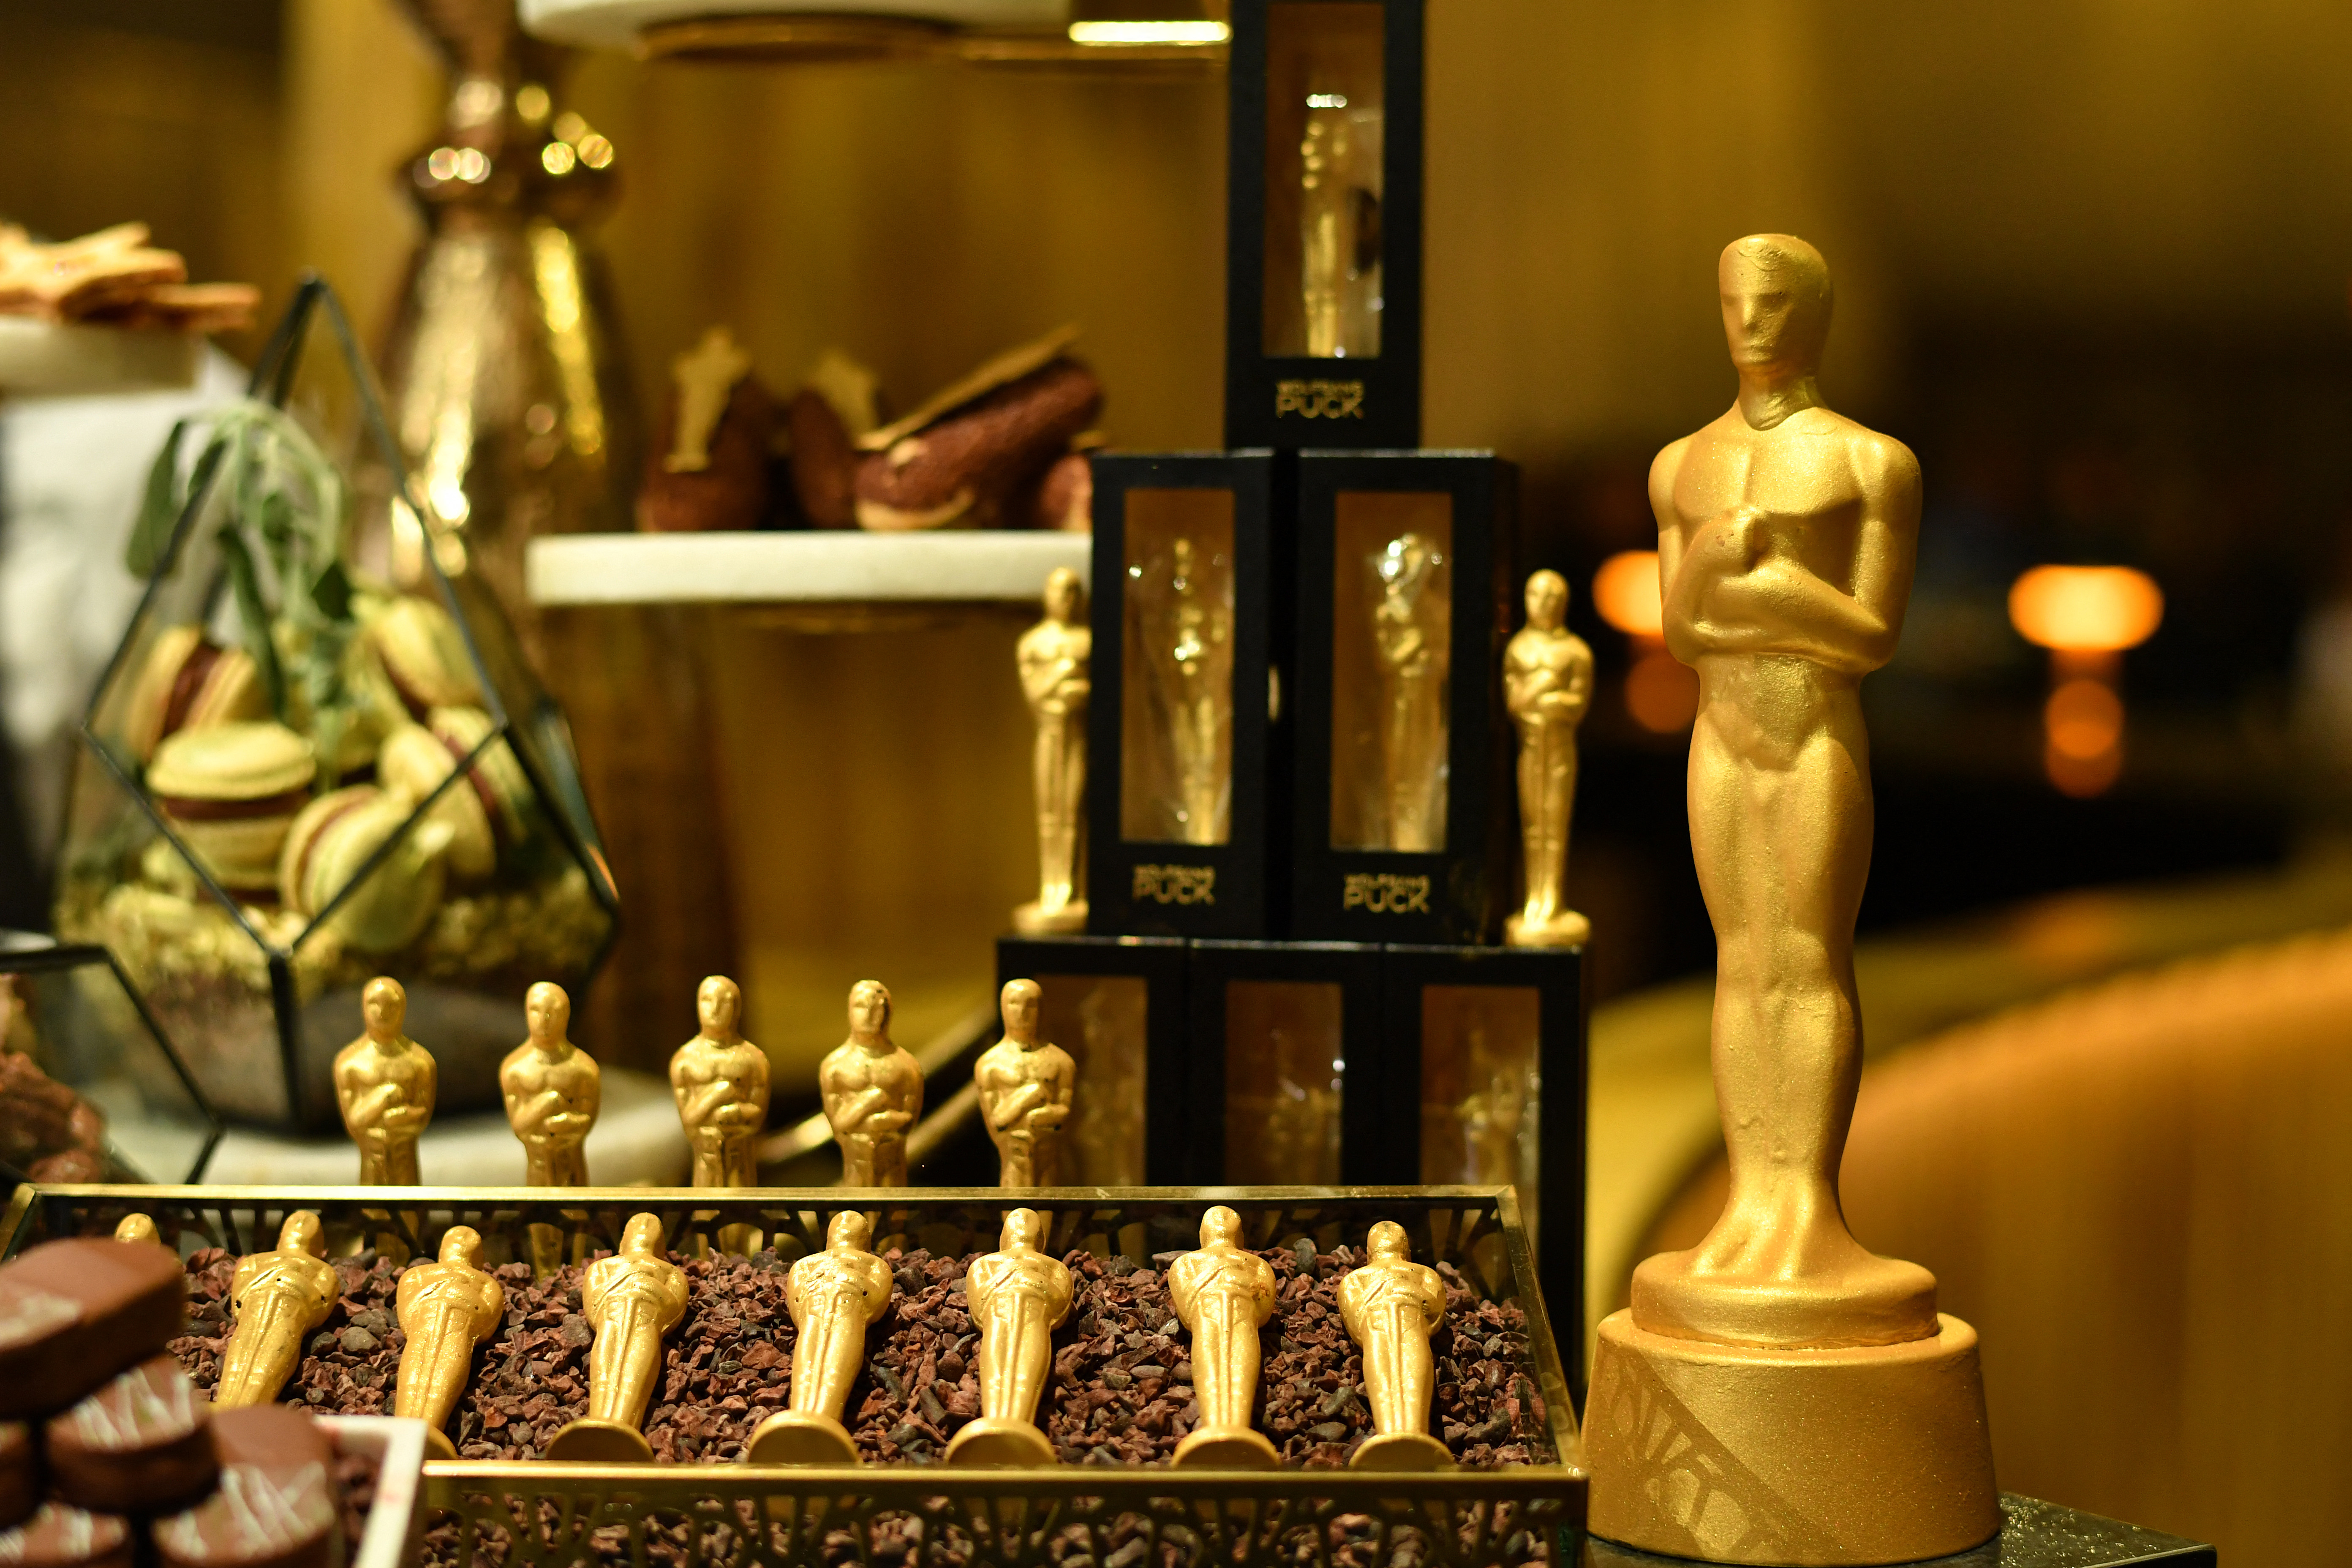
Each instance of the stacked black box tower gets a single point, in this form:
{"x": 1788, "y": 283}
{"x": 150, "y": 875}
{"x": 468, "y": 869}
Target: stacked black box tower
{"x": 1305, "y": 949}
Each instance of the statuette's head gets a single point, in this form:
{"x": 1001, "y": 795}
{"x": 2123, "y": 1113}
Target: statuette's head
{"x": 851, "y": 1229}
{"x": 869, "y": 1012}
{"x": 719, "y": 1004}
{"x": 1776, "y": 304}
{"x": 641, "y": 1238}
{"x": 1064, "y": 596}
{"x": 1547, "y": 601}
{"x": 1019, "y": 1003}
{"x": 385, "y": 1007}
{"x": 1022, "y": 1227}
{"x": 302, "y": 1233}
{"x": 137, "y": 1227}
{"x": 1387, "y": 1243}
{"x": 461, "y": 1244}
{"x": 1218, "y": 1226}
{"x": 549, "y": 1011}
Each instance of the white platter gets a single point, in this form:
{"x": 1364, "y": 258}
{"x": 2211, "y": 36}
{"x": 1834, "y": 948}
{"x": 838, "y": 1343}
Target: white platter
{"x": 615, "y": 24}
{"x": 800, "y": 567}
{"x": 42, "y": 359}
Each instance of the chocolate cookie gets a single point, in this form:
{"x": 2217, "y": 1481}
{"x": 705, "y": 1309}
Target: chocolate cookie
{"x": 277, "y": 1506}
{"x": 20, "y": 1474}
{"x": 142, "y": 1443}
{"x": 74, "y": 1313}
{"x": 62, "y": 1536}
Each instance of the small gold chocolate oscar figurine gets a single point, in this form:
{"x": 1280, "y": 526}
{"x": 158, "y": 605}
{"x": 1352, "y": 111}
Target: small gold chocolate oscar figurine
{"x": 137, "y": 1228}
{"x": 631, "y": 1300}
{"x": 1391, "y": 1306}
{"x": 1786, "y": 538}
{"x": 1024, "y": 1093}
{"x": 385, "y": 1083}
{"x": 553, "y": 1091}
{"x": 873, "y": 1092}
{"x": 446, "y": 1309}
{"x": 1054, "y": 656}
{"x": 1223, "y": 1293}
{"x": 279, "y": 1296}
{"x": 1188, "y": 615}
{"x": 1413, "y": 643}
{"x": 1017, "y": 1297}
{"x": 721, "y": 1081}
{"x": 835, "y": 1296}
{"x": 1547, "y": 686}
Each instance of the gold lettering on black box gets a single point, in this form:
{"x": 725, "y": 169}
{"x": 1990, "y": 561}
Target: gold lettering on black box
{"x": 1178, "y": 884}
{"x": 1319, "y": 399}
{"x": 1385, "y": 893}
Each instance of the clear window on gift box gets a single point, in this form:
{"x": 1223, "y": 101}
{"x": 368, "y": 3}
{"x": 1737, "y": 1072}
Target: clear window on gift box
{"x": 1100, "y": 1019}
{"x": 1284, "y": 1059}
{"x": 1176, "y": 698}
{"x": 1324, "y": 122}
{"x": 1481, "y": 1088}
{"x": 1392, "y": 645}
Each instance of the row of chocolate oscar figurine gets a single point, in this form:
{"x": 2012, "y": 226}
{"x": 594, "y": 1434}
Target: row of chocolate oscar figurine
{"x": 873, "y": 1091}
{"x": 1017, "y": 1296}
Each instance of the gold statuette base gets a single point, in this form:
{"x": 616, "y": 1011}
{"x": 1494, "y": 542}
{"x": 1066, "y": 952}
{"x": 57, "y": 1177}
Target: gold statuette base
{"x": 801, "y": 1437}
{"x": 1034, "y": 918}
{"x": 1565, "y": 929}
{"x": 994, "y": 1443}
{"x": 1402, "y": 1451}
{"x": 1227, "y": 1448}
{"x": 437, "y": 1444}
{"x": 1873, "y": 1455}
{"x": 589, "y": 1441}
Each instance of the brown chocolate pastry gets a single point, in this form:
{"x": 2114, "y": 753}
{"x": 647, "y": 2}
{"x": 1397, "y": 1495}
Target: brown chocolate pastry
{"x": 277, "y": 1506}
{"x": 964, "y": 469}
{"x": 1065, "y": 498}
{"x": 47, "y": 1130}
{"x": 713, "y": 479}
{"x": 74, "y": 1313}
{"x": 20, "y": 1474}
{"x": 62, "y": 1536}
{"x": 824, "y": 460}
{"x": 142, "y": 1443}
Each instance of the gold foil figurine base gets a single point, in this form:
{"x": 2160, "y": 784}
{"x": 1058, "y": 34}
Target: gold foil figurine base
{"x": 1024, "y": 1093}
{"x": 1055, "y": 656}
{"x": 835, "y": 1296}
{"x": 1779, "y": 1346}
{"x": 1547, "y": 686}
{"x": 631, "y": 1300}
{"x": 873, "y": 1091}
{"x": 1390, "y": 1306}
{"x": 279, "y": 1296}
{"x": 1222, "y": 1295}
{"x": 385, "y": 1083}
{"x": 1871, "y": 1454}
{"x": 1017, "y": 1296}
{"x": 446, "y": 1309}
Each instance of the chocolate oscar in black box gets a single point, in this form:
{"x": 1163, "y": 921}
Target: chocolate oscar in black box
{"x": 1117, "y": 1004}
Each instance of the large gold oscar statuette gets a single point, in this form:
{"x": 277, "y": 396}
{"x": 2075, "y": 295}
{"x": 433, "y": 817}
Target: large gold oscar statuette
{"x": 1017, "y": 1297}
{"x": 279, "y": 1296}
{"x": 1025, "y": 1094}
{"x": 385, "y": 1083}
{"x": 835, "y": 1296}
{"x": 1222, "y": 1294}
{"x": 552, "y": 1091}
{"x": 1777, "y": 1394}
{"x": 446, "y": 1309}
{"x": 873, "y": 1091}
{"x": 1055, "y": 656}
{"x": 1547, "y": 686}
{"x": 1411, "y": 637}
{"x": 721, "y": 1082}
{"x": 1391, "y": 1306}
{"x": 631, "y": 1300}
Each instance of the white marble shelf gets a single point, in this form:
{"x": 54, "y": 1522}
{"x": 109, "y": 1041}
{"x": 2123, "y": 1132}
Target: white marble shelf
{"x": 617, "y": 23}
{"x": 41, "y": 359}
{"x": 970, "y": 566}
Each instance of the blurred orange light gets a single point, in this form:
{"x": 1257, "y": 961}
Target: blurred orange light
{"x": 1626, "y": 592}
{"x": 2084, "y": 609}
{"x": 2083, "y": 720}
{"x": 1661, "y": 692}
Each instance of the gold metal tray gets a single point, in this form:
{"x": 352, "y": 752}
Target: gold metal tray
{"x": 521, "y": 1515}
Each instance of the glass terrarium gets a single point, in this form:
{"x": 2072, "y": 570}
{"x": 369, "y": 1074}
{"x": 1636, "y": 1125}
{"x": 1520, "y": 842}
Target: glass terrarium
{"x": 90, "y": 1090}
{"x": 298, "y": 774}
